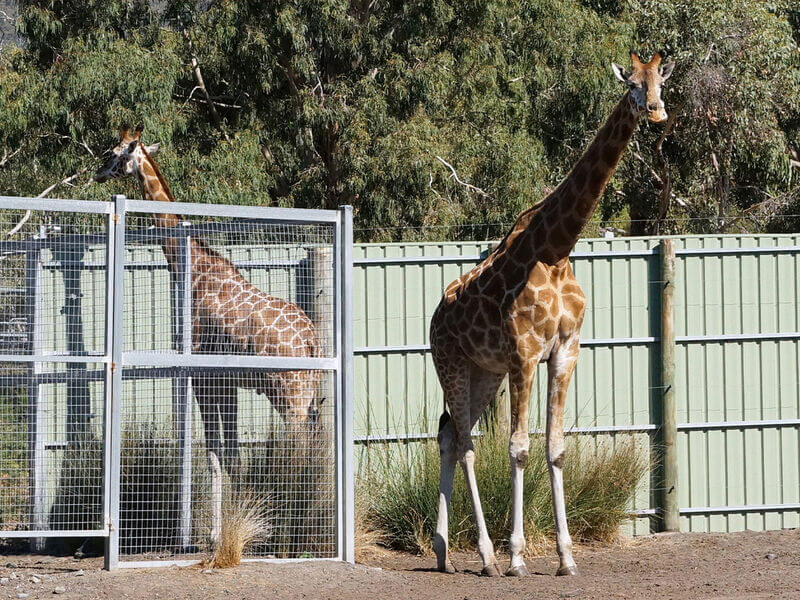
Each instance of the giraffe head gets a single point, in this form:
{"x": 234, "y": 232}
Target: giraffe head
{"x": 124, "y": 158}
{"x": 644, "y": 82}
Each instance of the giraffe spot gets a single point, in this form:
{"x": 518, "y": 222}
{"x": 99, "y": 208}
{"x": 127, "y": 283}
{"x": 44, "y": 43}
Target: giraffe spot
{"x": 537, "y": 276}
{"x": 598, "y": 181}
{"x": 593, "y": 153}
{"x": 560, "y": 237}
{"x": 611, "y": 154}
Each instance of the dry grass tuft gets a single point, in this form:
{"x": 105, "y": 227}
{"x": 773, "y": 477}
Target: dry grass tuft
{"x": 244, "y": 521}
{"x": 400, "y": 489}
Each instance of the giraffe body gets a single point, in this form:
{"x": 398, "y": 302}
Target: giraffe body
{"x": 229, "y": 316}
{"x": 521, "y": 306}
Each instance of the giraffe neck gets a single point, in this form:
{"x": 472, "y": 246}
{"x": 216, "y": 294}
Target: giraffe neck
{"x": 155, "y": 187}
{"x": 566, "y": 211}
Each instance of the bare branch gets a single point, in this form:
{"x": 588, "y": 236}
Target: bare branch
{"x": 469, "y": 186}
{"x": 198, "y": 76}
{"x": 8, "y": 156}
{"x": 665, "y": 179}
{"x": 216, "y": 102}
{"x": 27, "y": 214}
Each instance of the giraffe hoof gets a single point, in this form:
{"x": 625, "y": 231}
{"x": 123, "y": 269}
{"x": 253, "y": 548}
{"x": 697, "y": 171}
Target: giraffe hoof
{"x": 490, "y": 571}
{"x": 446, "y": 567}
{"x": 518, "y": 571}
{"x": 564, "y": 570}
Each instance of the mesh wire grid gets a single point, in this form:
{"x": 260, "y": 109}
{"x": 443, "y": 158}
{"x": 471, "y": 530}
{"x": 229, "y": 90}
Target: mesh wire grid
{"x": 52, "y": 415}
{"x": 196, "y": 473}
{"x": 226, "y": 287}
{"x": 205, "y": 451}
{"x": 52, "y": 284}
{"x": 52, "y": 446}
{"x": 255, "y": 287}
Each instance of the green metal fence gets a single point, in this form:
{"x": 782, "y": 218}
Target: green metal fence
{"x": 737, "y": 326}
{"x": 737, "y": 374}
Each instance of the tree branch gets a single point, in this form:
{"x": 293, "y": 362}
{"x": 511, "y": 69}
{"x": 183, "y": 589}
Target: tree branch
{"x": 198, "y": 76}
{"x": 8, "y": 156}
{"x": 665, "y": 179}
{"x": 27, "y": 214}
{"x": 469, "y": 186}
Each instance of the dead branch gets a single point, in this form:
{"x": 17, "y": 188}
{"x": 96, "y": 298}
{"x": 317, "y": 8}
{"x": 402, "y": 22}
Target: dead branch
{"x": 198, "y": 76}
{"x": 216, "y": 102}
{"x": 665, "y": 179}
{"x": 7, "y": 156}
{"x": 27, "y": 214}
{"x": 469, "y": 186}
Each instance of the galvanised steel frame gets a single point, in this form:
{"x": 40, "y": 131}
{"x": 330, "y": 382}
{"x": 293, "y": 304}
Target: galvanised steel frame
{"x": 115, "y": 360}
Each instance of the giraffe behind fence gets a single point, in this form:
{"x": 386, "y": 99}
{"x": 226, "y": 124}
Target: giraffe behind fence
{"x": 230, "y": 315}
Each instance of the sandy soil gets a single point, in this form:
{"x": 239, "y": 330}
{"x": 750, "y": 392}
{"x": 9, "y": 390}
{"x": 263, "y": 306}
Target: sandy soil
{"x": 740, "y": 565}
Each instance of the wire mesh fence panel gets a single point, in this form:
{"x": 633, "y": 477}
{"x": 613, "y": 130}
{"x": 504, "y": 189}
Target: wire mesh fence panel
{"x": 223, "y": 453}
{"x": 52, "y": 283}
{"x": 247, "y": 460}
{"x": 173, "y": 340}
{"x": 51, "y": 447}
{"x": 230, "y": 286}
{"x": 53, "y": 277}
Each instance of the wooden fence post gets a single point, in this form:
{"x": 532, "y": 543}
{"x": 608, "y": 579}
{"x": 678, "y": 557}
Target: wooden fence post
{"x": 669, "y": 429}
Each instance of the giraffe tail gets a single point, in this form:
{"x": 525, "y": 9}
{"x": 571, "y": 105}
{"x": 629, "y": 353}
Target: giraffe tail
{"x": 443, "y": 420}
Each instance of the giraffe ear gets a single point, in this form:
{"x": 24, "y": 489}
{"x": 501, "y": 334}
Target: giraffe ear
{"x": 620, "y": 72}
{"x": 666, "y": 70}
{"x": 153, "y": 149}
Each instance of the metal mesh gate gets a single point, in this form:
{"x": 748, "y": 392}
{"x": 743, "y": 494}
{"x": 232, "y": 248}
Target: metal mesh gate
{"x": 198, "y": 378}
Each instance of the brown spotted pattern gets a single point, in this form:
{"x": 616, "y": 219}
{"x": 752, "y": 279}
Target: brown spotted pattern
{"x": 521, "y": 306}
{"x": 229, "y": 316}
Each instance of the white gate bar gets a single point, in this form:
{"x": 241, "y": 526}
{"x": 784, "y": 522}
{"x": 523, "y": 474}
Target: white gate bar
{"x": 114, "y": 408}
{"x": 211, "y": 361}
{"x": 263, "y": 214}
{"x": 54, "y": 358}
{"x": 344, "y": 397}
{"x": 56, "y": 533}
{"x": 56, "y": 204}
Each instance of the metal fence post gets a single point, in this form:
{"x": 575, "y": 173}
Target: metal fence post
{"x": 345, "y": 386}
{"x": 37, "y": 398}
{"x": 669, "y": 422}
{"x": 78, "y": 399}
{"x": 182, "y": 391}
{"x": 114, "y": 301}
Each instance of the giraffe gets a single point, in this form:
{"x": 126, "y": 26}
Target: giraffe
{"x": 521, "y": 306}
{"x": 229, "y": 315}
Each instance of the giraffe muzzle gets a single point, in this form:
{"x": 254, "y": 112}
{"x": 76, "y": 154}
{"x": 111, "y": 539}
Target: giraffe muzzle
{"x": 657, "y": 116}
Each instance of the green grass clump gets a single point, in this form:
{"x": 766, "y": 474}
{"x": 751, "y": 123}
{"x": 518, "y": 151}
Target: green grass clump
{"x": 400, "y": 490}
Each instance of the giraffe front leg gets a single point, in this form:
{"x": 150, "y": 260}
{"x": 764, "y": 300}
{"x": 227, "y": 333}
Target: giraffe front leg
{"x": 559, "y": 370}
{"x": 520, "y": 380}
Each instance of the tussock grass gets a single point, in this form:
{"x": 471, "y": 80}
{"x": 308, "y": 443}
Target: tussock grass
{"x": 244, "y": 521}
{"x": 295, "y": 471}
{"x": 400, "y": 489}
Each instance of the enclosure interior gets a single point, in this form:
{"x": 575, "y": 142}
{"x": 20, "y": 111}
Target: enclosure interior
{"x": 235, "y": 289}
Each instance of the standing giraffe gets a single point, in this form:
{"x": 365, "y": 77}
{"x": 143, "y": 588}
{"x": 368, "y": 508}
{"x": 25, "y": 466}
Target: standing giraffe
{"x": 522, "y": 306}
{"x": 229, "y": 315}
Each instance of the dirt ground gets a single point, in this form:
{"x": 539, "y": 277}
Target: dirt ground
{"x": 739, "y": 565}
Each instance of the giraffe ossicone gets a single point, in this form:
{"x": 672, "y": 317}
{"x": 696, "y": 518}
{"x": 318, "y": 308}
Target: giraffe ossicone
{"x": 521, "y": 306}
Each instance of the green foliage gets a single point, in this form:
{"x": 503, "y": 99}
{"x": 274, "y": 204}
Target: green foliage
{"x": 326, "y": 102}
{"x": 402, "y": 502}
